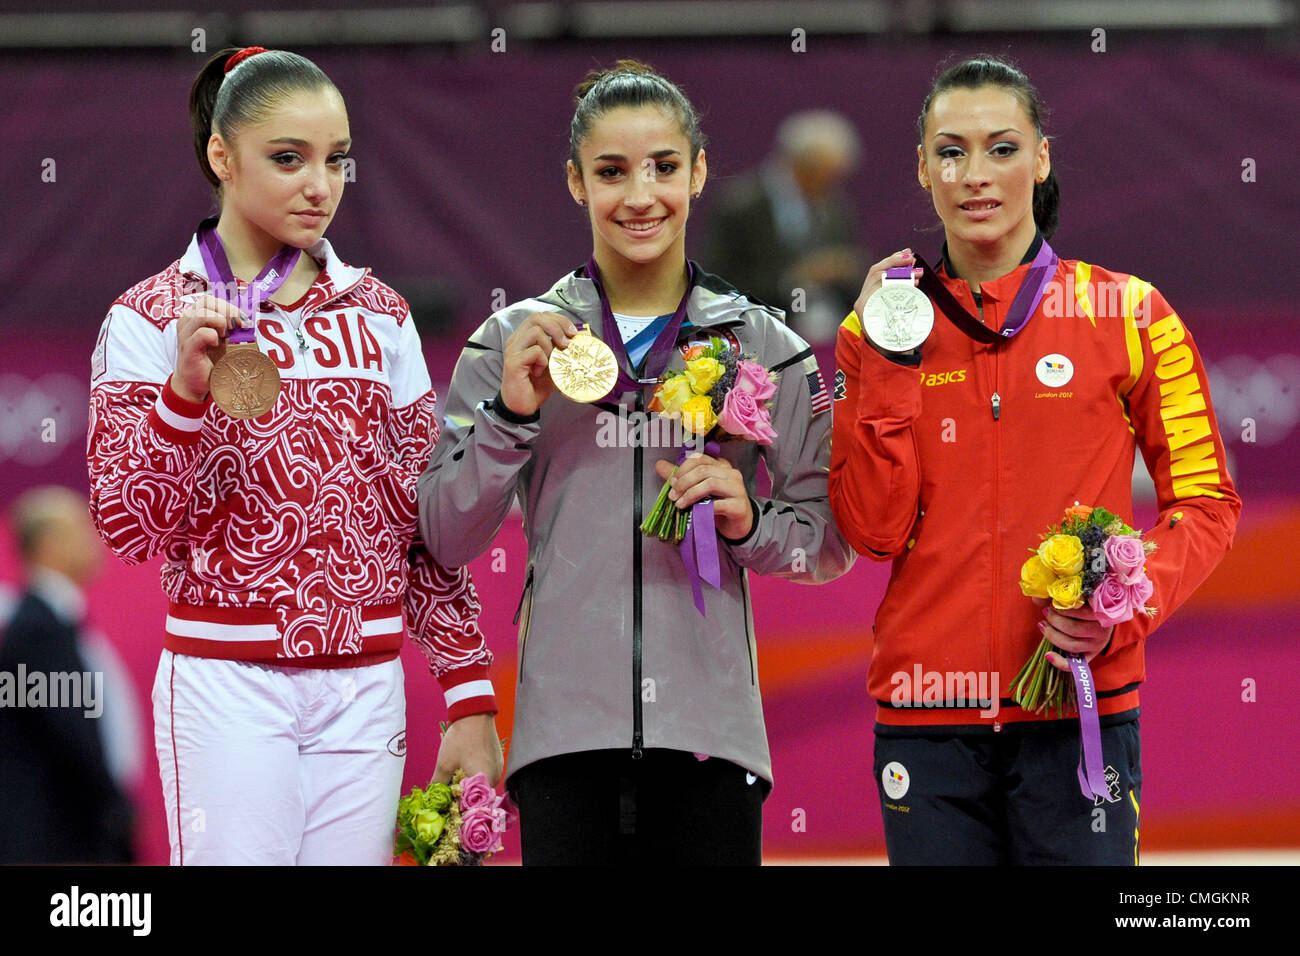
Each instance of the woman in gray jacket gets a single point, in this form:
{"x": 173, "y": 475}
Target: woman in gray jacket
{"x": 639, "y": 734}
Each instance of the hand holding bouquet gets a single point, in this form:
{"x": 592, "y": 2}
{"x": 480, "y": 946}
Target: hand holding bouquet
{"x": 1095, "y": 559}
{"x": 455, "y": 824}
{"x": 718, "y": 391}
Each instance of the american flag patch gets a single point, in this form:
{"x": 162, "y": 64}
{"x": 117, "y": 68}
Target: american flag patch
{"x": 821, "y": 402}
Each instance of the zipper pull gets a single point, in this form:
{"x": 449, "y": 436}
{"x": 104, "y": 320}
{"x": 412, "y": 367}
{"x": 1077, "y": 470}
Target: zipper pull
{"x": 637, "y": 753}
{"x": 302, "y": 343}
{"x": 997, "y": 405}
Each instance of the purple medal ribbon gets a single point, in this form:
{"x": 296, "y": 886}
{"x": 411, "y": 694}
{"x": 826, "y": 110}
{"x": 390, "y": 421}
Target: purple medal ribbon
{"x": 1023, "y": 306}
{"x": 224, "y": 285}
{"x": 661, "y": 351}
{"x": 700, "y": 546}
{"x": 1092, "y": 775}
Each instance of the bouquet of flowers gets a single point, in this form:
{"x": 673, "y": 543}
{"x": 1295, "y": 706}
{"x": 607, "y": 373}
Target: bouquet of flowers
{"x": 1092, "y": 558}
{"x": 719, "y": 390}
{"x": 455, "y": 824}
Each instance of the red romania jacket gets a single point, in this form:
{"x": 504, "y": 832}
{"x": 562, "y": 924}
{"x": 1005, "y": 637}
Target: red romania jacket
{"x": 954, "y": 469}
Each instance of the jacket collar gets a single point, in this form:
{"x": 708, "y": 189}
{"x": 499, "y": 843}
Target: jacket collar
{"x": 336, "y": 277}
{"x": 995, "y": 289}
{"x": 712, "y": 301}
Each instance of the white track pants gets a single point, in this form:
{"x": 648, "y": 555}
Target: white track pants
{"x": 279, "y": 765}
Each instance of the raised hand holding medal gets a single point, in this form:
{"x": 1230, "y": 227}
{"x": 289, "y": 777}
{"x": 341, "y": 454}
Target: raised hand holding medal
{"x": 244, "y": 382}
{"x": 896, "y": 316}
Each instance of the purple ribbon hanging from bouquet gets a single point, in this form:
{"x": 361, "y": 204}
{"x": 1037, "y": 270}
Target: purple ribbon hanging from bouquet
{"x": 1091, "y": 769}
{"x": 700, "y": 546}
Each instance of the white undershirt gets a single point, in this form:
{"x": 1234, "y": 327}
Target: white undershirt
{"x": 629, "y": 326}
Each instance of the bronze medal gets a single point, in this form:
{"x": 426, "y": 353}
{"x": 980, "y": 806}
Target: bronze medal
{"x": 244, "y": 382}
{"x": 585, "y": 370}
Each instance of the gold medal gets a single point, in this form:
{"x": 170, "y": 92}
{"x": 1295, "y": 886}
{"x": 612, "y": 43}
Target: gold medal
{"x": 244, "y": 382}
{"x": 586, "y": 369}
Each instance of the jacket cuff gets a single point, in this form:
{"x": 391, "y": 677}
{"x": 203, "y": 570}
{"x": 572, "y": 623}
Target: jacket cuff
{"x": 908, "y": 359}
{"x": 500, "y": 409}
{"x": 468, "y": 690}
{"x": 178, "y": 420}
{"x": 753, "y": 527}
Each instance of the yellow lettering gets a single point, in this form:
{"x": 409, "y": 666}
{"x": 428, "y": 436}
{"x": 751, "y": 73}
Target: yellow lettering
{"x": 1181, "y": 397}
{"x": 1168, "y": 331}
{"x": 1189, "y": 461}
{"x": 1177, "y": 361}
{"x": 1189, "y": 487}
{"x": 1183, "y": 431}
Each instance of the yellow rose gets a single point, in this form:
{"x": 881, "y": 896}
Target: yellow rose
{"x": 1062, "y": 553}
{"x": 1036, "y": 578}
{"x": 698, "y": 415}
{"x": 1066, "y": 593}
{"x": 673, "y": 394}
{"x": 703, "y": 373}
{"x": 428, "y": 825}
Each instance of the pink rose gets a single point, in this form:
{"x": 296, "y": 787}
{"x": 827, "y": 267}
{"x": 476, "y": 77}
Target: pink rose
{"x": 753, "y": 379}
{"x": 701, "y": 757}
{"x": 743, "y": 416}
{"x": 1140, "y": 592}
{"x": 1126, "y": 557}
{"x": 1110, "y": 601}
{"x": 475, "y": 792}
{"x": 478, "y": 832}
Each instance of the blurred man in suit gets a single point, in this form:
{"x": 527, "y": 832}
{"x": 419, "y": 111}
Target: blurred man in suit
{"x": 59, "y": 802}
{"x": 790, "y": 226}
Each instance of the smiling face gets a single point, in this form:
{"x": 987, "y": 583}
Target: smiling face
{"x": 285, "y": 172}
{"x": 637, "y": 180}
{"x": 980, "y": 158}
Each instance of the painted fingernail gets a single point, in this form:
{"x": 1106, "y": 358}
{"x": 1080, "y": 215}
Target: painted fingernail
{"x": 1042, "y": 627}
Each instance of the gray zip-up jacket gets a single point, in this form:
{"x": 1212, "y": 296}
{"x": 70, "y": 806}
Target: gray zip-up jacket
{"x": 612, "y": 651}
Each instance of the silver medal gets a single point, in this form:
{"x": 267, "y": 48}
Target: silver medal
{"x": 898, "y": 317}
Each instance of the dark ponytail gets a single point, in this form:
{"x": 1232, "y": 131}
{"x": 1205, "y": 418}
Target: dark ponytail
{"x": 986, "y": 70}
{"x": 223, "y": 102}
{"x": 629, "y": 83}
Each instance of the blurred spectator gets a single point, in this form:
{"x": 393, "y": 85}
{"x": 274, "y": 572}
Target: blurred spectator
{"x": 790, "y": 226}
{"x": 59, "y": 802}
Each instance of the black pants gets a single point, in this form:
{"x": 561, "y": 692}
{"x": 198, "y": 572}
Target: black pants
{"x": 1008, "y": 798}
{"x": 602, "y": 808}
